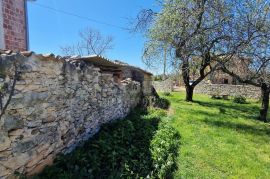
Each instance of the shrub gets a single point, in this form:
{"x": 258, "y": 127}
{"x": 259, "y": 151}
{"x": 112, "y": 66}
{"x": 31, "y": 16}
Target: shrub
{"x": 162, "y": 103}
{"x": 164, "y": 147}
{"x": 166, "y": 93}
{"x": 156, "y": 113}
{"x": 239, "y": 99}
{"x": 222, "y": 110}
{"x": 216, "y": 97}
{"x": 156, "y": 102}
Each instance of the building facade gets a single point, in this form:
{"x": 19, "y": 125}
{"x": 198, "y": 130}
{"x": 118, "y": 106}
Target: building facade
{"x": 13, "y": 25}
{"x": 239, "y": 66}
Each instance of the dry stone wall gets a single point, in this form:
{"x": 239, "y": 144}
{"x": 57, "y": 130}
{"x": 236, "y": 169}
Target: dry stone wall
{"x": 163, "y": 86}
{"x": 56, "y": 103}
{"x": 247, "y": 91}
{"x": 145, "y": 78}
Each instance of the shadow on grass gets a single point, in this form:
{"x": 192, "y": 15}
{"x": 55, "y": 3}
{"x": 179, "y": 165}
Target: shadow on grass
{"x": 233, "y": 109}
{"x": 122, "y": 149}
{"x": 227, "y": 116}
{"x": 242, "y": 128}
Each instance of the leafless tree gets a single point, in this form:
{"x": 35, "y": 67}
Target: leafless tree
{"x": 91, "y": 42}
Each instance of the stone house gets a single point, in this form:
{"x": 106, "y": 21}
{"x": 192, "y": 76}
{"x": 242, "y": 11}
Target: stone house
{"x": 13, "y": 25}
{"x": 238, "y": 66}
{"x": 223, "y": 85}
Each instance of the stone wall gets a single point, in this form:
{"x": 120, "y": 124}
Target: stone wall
{"x": 247, "y": 91}
{"x": 56, "y": 103}
{"x": 147, "y": 85}
{"x": 137, "y": 74}
{"x": 163, "y": 86}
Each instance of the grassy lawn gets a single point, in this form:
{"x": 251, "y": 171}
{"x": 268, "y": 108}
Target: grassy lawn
{"x": 220, "y": 139}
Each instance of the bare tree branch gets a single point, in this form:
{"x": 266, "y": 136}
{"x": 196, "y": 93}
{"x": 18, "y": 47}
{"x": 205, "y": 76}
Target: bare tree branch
{"x": 92, "y": 42}
{"x": 11, "y": 93}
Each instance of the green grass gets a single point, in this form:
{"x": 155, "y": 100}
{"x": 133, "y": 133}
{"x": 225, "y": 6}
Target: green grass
{"x": 220, "y": 139}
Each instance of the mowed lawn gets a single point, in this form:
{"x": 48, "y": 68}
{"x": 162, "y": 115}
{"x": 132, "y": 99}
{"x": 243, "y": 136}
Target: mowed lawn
{"x": 220, "y": 139}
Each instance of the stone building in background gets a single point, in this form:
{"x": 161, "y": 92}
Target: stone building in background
{"x": 238, "y": 66}
{"x": 13, "y": 25}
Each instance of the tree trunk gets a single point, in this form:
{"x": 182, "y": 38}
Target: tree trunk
{"x": 189, "y": 93}
{"x": 265, "y": 103}
{"x": 185, "y": 75}
{"x": 165, "y": 62}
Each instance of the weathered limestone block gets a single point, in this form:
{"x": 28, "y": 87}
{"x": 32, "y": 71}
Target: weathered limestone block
{"x": 41, "y": 165}
{"x": 24, "y": 146}
{"x": 4, "y": 155}
{"x": 12, "y": 122}
{"x": 4, "y": 141}
{"x": 17, "y": 161}
{"x": 4, "y": 172}
{"x": 16, "y": 132}
{"x": 35, "y": 160}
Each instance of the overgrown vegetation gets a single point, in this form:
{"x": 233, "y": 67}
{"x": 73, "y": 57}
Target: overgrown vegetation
{"x": 240, "y": 99}
{"x": 156, "y": 102}
{"x": 166, "y": 93}
{"x": 164, "y": 147}
{"x": 220, "y": 139}
{"x": 161, "y": 103}
{"x": 142, "y": 145}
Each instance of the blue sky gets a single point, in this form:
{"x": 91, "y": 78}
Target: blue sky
{"x": 48, "y": 30}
